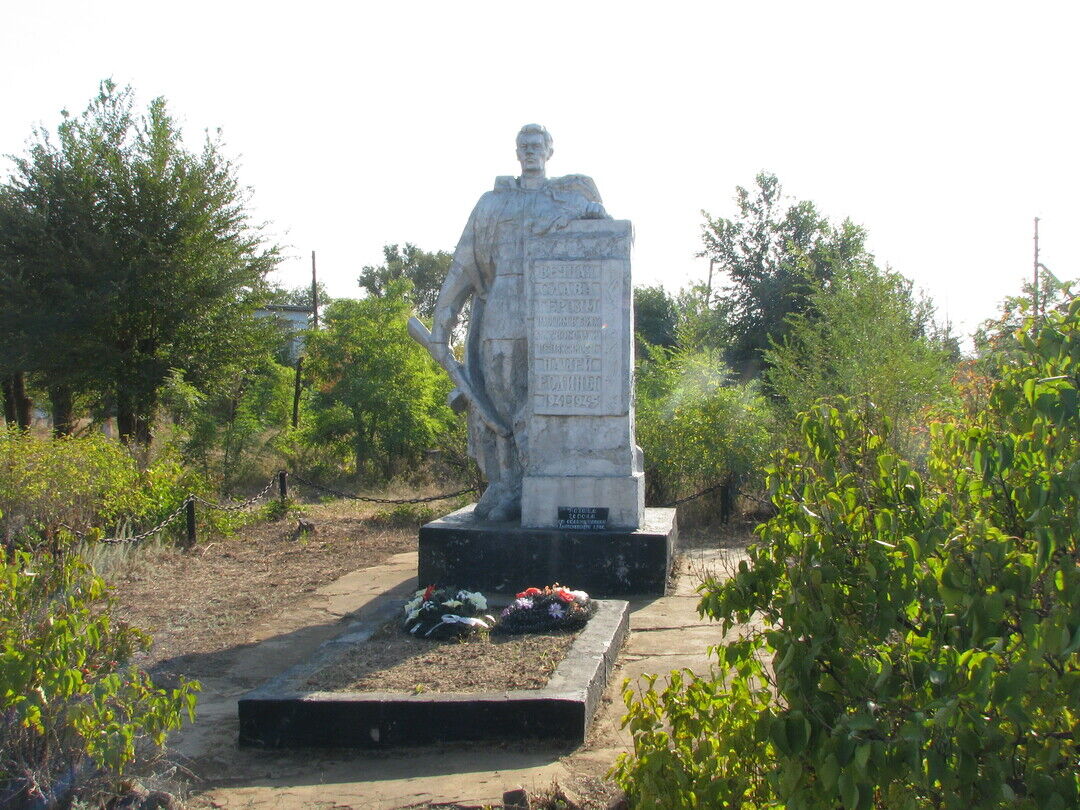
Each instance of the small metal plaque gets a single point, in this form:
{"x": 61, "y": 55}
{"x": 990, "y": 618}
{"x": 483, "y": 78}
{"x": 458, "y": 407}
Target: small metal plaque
{"x": 583, "y": 518}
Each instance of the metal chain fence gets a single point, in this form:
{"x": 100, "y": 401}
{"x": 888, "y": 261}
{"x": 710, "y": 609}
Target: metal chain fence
{"x": 280, "y": 477}
{"x": 237, "y": 507}
{"x": 338, "y": 493}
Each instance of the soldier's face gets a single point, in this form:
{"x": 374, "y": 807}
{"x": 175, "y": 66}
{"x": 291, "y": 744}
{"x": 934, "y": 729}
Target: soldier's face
{"x": 532, "y": 152}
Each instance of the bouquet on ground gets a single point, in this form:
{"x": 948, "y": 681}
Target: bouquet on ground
{"x": 447, "y": 613}
{"x": 553, "y": 608}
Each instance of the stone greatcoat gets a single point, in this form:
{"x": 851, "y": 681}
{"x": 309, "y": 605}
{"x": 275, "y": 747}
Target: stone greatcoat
{"x": 489, "y": 269}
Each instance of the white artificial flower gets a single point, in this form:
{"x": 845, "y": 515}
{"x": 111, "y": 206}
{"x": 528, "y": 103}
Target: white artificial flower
{"x": 452, "y": 603}
{"x": 579, "y": 596}
{"x": 413, "y": 614}
{"x": 523, "y": 602}
{"x": 477, "y": 599}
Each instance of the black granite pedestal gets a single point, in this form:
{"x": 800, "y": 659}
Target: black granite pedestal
{"x": 506, "y": 558}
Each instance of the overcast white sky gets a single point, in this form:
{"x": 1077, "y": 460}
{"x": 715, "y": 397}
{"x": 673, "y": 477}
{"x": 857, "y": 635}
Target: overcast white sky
{"x": 942, "y": 127}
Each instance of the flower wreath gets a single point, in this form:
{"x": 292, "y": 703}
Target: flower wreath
{"x": 553, "y": 608}
{"x": 446, "y": 613}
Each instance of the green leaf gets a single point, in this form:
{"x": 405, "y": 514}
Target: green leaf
{"x": 849, "y": 790}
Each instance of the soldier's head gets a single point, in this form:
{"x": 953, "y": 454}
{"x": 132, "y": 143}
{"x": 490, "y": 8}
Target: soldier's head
{"x": 534, "y": 148}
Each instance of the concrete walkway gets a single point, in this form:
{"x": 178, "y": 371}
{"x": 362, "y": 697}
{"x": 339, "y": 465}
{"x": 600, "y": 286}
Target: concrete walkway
{"x": 666, "y": 634}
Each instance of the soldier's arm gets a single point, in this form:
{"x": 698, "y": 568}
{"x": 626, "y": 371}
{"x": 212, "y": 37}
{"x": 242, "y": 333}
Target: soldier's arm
{"x": 456, "y": 289}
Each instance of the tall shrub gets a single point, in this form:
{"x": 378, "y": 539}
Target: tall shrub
{"x": 74, "y": 715}
{"x": 378, "y": 395}
{"x": 865, "y": 332}
{"x": 922, "y": 637}
{"x": 86, "y": 484}
{"x": 697, "y": 427}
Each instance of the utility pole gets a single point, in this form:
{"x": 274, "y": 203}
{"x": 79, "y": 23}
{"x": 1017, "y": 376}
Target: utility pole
{"x": 1035, "y": 277}
{"x": 298, "y": 380}
{"x": 314, "y": 295}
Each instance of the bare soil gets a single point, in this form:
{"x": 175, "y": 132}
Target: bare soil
{"x": 394, "y": 661}
{"x": 196, "y": 603}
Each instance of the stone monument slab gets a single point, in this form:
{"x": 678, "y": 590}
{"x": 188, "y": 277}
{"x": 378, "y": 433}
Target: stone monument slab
{"x": 580, "y": 420}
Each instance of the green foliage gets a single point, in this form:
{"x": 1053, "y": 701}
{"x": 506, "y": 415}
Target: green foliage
{"x": 378, "y": 393}
{"x": 124, "y": 256}
{"x": 702, "y": 321}
{"x": 74, "y": 716}
{"x": 299, "y": 296}
{"x": 231, "y": 433}
{"x": 996, "y": 345}
{"x": 863, "y": 333}
{"x": 696, "y": 428}
{"x": 774, "y": 258}
{"x": 696, "y": 740}
{"x": 655, "y": 317}
{"x": 89, "y": 484}
{"x": 924, "y": 636}
{"x": 424, "y": 270}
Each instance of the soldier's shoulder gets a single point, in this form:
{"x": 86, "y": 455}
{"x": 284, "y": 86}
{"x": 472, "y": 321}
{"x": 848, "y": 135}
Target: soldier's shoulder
{"x": 579, "y": 183}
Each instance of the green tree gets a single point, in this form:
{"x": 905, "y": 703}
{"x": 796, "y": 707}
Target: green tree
{"x": 377, "y": 391}
{"x": 774, "y": 256}
{"x": 425, "y": 270}
{"x": 655, "y": 316}
{"x": 863, "y": 332}
{"x": 124, "y": 256}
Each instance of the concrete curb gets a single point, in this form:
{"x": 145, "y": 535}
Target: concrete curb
{"x": 278, "y": 715}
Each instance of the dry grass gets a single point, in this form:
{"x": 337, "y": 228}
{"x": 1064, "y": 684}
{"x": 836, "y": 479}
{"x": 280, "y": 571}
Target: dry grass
{"x": 394, "y": 661}
{"x": 207, "y": 600}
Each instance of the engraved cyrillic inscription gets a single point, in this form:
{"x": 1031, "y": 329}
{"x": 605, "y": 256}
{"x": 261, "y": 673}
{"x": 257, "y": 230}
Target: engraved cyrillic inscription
{"x": 572, "y": 369}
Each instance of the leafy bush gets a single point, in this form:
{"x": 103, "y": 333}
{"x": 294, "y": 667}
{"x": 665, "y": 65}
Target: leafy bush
{"x": 74, "y": 716}
{"x": 231, "y": 434}
{"x": 89, "y": 483}
{"x": 696, "y": 428}
{"x": 865, "y": 333}
{"x": 923, "y": 637}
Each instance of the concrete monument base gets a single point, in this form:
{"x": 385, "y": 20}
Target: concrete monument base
{"x": 507, "y": 558}
{"x": 541, "y": 496}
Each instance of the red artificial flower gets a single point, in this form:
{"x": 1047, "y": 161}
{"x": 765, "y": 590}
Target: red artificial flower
{"x": 529, "y": 592}
{"x": 430, "y": 590}
{"x": 564, "y": 595}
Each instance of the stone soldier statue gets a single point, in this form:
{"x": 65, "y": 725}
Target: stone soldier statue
{"x": 489, "y": 270}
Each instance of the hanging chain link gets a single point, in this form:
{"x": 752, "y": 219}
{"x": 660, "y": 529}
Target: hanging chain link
{"x": 138, "y": 538}
{"x": 340, "y": 494}
{"x": 695, "y": 496}
{"x": 236, "y": 507}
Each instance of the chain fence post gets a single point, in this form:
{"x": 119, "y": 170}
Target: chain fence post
{"x": 283, "y": 486}
{"x": 190, "y": 509}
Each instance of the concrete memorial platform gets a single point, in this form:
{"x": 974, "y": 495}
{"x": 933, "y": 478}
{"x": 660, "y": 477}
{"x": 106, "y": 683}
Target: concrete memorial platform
{"x": 506, "y": 557}
{"x": 281, "y": 713}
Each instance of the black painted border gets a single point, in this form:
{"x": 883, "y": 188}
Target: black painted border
{"x": 277, "y": 716}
